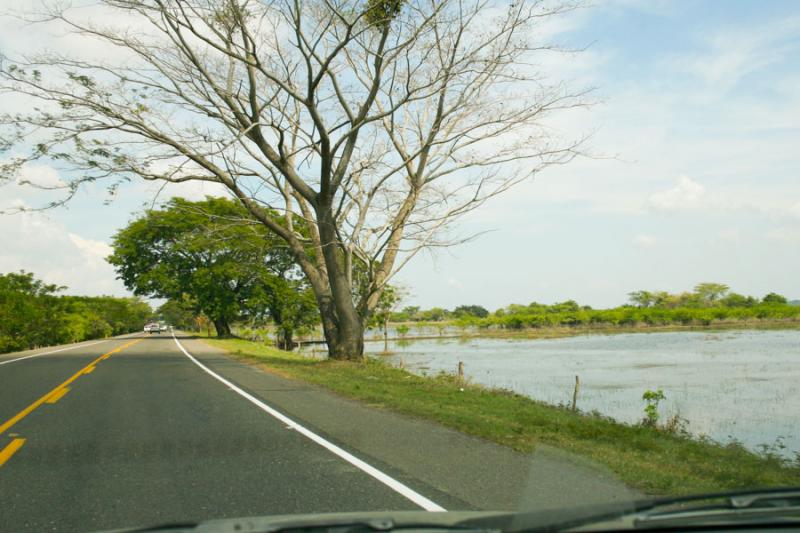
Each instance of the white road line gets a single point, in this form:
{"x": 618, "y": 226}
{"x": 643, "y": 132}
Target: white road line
{"x": 52, "y": 351}
{"x": 387, "y": 480}
{"x": 64, "y": 349}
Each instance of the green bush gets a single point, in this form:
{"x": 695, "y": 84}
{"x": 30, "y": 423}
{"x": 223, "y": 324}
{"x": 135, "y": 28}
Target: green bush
{"x": 32, "y": 314}
{"x": 522, "y": 317}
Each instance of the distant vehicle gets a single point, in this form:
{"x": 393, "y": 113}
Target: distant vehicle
{"x": 163, "y": 327}
{"x": 152, "y": 327}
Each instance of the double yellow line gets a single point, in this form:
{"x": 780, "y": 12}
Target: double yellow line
{"x": 51, "y": 397}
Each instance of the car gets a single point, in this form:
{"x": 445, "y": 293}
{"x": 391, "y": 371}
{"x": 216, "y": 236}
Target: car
{"x": 163, "y": 327}
{"x": 152, "y": 327}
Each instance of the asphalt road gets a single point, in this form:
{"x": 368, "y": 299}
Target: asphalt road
{"x": 132, "y": 432}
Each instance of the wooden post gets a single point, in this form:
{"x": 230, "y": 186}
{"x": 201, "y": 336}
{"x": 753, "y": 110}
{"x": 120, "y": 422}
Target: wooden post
{"x": 461, "y": 372}
{"x": 575, "y": 394}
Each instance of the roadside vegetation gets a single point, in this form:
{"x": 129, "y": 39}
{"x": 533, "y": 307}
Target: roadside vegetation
{"x": 213, "y": 261}
{"x": 219, "y": 268}
{"x": 709, "y": 304}
{"x": 656, "y": 458}
{"x": 33, "y": 314}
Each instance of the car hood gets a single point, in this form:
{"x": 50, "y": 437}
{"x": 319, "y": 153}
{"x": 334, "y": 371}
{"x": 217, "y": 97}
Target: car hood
{"x": 375, "y": 520}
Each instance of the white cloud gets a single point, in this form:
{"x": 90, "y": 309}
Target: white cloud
{"x": 453, "y": 282}
{"x": 38, "y": 175}
{"x": 36, "y": 243}
{"x": 735, "y": 52}
{"x": 644, "y": 241}
{"x": 94, "y": 252}
{"x": 686, "y": 195}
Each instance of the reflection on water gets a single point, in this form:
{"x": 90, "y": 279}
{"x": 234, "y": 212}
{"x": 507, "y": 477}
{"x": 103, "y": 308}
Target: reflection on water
{"x": 742, "y": 385}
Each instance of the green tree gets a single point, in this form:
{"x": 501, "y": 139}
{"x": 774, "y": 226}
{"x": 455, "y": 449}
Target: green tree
{"x": 434, "y": 314}
{"x": 470, "y": 310}
{"x": 735, "y": 299}
{"x": 211, "y": 250}
{"x": 291, "y": 305}
{"x": 407, "y": 313}
{"x": 30, "y": 313}
{"x": 660, "y": 298}
{"x": 710, "y": 293}
{"x": 641, "y": 298}
{"x": 774, "y": 298}
{"x": 390, "y": 298}
{"x": 122, "y": 315}
{"x": 179, "y": 313}
{"x": 569, "y": 306}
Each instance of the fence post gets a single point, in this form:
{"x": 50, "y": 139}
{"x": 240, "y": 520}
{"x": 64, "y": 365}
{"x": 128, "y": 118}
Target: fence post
{"x": 461, "y": 371}
{"x": 575, "y": 394}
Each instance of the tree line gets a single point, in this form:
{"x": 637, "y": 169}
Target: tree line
{"x": 217, "y": 266}
{"x": 34, "y": 314}
{"x": 707, "y": 303}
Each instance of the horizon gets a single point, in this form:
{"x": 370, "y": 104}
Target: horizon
{"x": 155, "y": 303}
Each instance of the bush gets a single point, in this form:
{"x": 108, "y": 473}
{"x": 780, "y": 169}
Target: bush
{"x": 32, "y": 314}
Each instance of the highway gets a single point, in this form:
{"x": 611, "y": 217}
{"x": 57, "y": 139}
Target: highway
{"x": 145, "y": 430}
{"x": 133, "y": 432}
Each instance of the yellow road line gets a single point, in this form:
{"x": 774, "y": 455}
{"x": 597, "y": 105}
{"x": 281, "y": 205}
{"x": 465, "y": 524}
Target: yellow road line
{"x": 32, "y": 407}
{"x": 57, "y": 394}
{"x": 10, "y": 450}
{"x": 89, "y": 369}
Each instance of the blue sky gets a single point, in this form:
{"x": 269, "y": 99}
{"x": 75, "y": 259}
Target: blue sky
{"x": 696, "y": 175}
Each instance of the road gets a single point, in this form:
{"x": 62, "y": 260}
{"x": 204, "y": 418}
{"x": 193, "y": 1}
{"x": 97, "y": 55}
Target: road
{"x": 146, "y": 436}
{"x": 144, "y": 430}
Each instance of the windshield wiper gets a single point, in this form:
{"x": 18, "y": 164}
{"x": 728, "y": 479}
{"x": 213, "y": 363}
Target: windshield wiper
{"x": 762, "y": 507}
{"x": 749, "y": 506}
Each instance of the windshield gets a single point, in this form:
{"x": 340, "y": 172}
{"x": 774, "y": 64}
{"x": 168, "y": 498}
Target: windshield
{"x": 500, "y": 265}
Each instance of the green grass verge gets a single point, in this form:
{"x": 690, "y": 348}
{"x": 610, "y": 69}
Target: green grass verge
{"x": 653, "y": 461}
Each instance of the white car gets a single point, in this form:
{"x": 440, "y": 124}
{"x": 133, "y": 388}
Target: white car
{"x": 151, "y": 328}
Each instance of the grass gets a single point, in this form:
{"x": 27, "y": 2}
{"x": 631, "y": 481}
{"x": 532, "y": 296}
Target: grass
{"x": 651, "y": 460}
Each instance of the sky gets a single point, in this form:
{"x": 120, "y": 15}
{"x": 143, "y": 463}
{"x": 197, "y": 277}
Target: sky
{"x": 692, "y": 172}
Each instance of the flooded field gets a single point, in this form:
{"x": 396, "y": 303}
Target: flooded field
{"x": 729, "y": 385}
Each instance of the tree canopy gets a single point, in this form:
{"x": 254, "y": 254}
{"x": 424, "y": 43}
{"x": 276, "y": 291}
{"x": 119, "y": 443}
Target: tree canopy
{"x": 774, "y": 298}
{"x": 471, "y": 310}
{"x": 212, "y": 254}
{"x": 33, "y": 314}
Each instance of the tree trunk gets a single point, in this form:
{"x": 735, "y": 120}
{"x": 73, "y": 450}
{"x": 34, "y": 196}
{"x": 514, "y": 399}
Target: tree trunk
{"x": 285, "y": 340}
{"x": 343, "y": 327}
{"x": 346, "y": 343}
{"x": 345, "y": 339}
{"x": 222, "y": 327}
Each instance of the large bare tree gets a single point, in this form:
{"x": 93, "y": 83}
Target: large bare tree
{"x": 379, "y": 122}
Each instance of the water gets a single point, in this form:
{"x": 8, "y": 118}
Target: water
{"x": 742, "y": 385}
